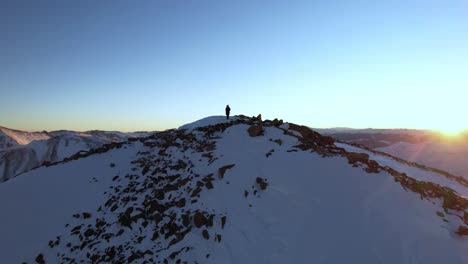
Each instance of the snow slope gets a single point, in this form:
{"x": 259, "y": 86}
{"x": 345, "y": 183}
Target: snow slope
{"x": 214, "y": 194}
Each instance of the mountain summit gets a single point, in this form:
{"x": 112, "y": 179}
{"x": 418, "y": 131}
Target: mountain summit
{"x": 243, "y": 190}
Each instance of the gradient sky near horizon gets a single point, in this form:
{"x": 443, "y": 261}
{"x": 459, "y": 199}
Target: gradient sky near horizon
{"x": 152, "y": 65}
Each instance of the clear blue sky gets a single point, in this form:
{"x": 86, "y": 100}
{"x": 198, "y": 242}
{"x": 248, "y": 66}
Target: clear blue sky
{"x": 150, "y": 65}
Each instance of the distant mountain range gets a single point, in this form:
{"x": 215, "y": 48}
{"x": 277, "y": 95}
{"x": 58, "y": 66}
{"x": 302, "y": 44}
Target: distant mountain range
{"x": 21, "y": 151}
{"x": 429, "y": 148}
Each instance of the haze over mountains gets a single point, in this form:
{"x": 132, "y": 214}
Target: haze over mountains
{"x": 430, "y": 148}
{"x": 240, "y": 191}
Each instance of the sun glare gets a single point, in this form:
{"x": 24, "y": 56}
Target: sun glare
{"x": 451, "y": 131}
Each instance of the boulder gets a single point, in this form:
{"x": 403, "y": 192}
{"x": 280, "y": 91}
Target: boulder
{"x": 40, "y": 259}
{"x": 199, "y": 220}
{"x": 255, "y": 130}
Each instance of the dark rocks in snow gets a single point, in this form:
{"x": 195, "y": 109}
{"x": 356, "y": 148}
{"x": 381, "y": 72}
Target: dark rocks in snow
{"x": 262, "y": 183}
{"x": 450, "y": 200}
{"x": 196, "y": 191}
{"x": 180, "y": 203}
{"x": 179, "y": 166}
{"x": 354, "y": 158}
{"x": 114, "y": 207}
{"x": 357, "y": 157}
{"x": 40, "y": 259}
{"x": 205, "y": 234}
{"x": 159, "y": 194}
{"x": 94, "y": 258}
{"x": 277, "y": 141}
{"x": 268, "y": 154}
{"x": 174, "y": 254}
{"x": 209, "y": 185}
{"x": 163, "y": 209}
{"x": 223, "y": 222}
{"x": 89, "y": 232}
{"x": 76, "y": 230}
{"x": 372, "y": 167}
{"x": 222, "y": 170}
{"x": 208, "y": 180}
{"x": 86, "y": 215}
{"x": 53, "y": 243}
{"x": 125, "y": 220}
{"x": 186, "y": 219}
{"x": 200, "y": 220}
{"x": 145, "y": 170}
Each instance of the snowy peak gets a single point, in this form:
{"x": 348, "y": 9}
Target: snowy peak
{"x": 208, "y": 121}
{"x": 237, "y": 191}
{"x": 17, "y": 137}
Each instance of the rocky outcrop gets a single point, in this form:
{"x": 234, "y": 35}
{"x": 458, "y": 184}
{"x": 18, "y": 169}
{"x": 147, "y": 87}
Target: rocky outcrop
{"x": 312, "y": 137}
{"x": 277, "y": 122}
{"x": 363, "y": 158}
{"x": 255, "y": 130}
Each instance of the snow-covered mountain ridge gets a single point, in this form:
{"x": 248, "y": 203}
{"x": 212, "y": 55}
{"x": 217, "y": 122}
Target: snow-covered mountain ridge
{"x": 10, "y": 138}
{"x": 239, "y": 191}
{"x": 21, "y": 151}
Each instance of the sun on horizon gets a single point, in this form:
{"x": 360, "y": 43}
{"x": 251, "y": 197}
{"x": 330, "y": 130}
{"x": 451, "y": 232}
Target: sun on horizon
{"x": 452, "y": 130}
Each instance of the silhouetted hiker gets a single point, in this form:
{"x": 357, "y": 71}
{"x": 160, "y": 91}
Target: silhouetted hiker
{"x": 228, "y": 111}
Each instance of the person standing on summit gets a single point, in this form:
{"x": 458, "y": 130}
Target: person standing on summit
{"x": 228, "y": 111}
